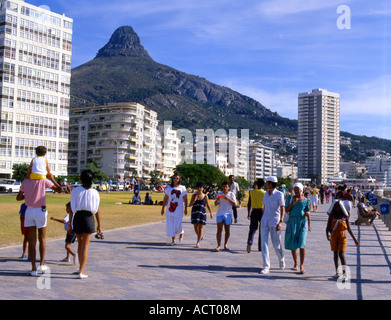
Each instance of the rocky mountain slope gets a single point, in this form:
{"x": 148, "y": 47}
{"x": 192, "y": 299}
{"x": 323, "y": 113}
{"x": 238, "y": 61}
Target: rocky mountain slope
{"x": 123, "y": 71}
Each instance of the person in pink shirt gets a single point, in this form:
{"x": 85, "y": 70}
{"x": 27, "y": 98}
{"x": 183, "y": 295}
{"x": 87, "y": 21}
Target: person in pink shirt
{"x": 34, "y": 194}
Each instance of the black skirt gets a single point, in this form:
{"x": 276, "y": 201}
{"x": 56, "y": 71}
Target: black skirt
{"x": 83, "y": 222}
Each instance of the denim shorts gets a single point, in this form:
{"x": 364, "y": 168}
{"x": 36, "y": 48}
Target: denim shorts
{"x": 226, "y": 218}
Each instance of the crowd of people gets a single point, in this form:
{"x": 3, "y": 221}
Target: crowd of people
{"x": 268, "y": 208}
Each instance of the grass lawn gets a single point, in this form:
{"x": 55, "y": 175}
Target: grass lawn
{"x": 113, "y": 215}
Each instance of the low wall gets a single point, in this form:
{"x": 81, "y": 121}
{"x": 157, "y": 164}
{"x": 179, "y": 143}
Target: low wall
{"x": 385, "y": 217}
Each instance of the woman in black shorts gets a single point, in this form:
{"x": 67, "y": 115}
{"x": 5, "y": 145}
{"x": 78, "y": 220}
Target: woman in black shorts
{"x": 85, "y": 205}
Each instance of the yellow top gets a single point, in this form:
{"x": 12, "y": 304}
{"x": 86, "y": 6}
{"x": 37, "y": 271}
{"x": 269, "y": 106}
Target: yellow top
{"x": 257, "y": 198}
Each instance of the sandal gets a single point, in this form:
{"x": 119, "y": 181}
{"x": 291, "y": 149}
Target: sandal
{"x": 217, "y": 249}
{"x": 295, "y": 268}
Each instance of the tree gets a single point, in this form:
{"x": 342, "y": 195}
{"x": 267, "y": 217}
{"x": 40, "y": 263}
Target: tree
{"x": 97, "y": 172}
{"x": 208, "y": 174}
{"x": 19, "y": 171}
{"x": 155, "y": 177}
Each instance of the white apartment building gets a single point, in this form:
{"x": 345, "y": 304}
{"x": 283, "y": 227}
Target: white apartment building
{"x": 120, "y": 137}
{"x": 169, "y": 152}
{"x": 318, "y": 134}
{"x": 35, "y": 72}
{"x": 379, "y": 168}
{"x": 261, "y": 162}
{"x": 229, "y": 154}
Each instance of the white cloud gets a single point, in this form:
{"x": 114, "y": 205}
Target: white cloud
{"x": 273, "y": 8}
{"x": 368, "y": 99}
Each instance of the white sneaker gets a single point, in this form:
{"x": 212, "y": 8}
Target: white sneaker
{"x": 33, "y": 273}
{"x": 264, "y": 271}
{"x": 83, "y": 276}
{"x": 42, "y": 269}
{"x": 282, "y": 265}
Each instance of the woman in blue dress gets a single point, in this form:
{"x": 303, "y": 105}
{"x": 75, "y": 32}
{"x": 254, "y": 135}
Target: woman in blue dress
{"x": 298, "y": 208}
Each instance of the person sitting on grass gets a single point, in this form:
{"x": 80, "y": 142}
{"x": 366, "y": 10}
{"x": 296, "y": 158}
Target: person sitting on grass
{"x": 135, "y": 199}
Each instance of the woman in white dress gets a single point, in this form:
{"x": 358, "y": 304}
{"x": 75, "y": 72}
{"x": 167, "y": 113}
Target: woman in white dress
{"x": 176, "y": 201}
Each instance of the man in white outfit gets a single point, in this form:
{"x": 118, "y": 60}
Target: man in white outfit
{"x": 273, "y": 216}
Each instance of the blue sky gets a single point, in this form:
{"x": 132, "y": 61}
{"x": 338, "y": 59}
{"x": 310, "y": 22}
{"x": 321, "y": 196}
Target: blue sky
{"x": 269, "y": 50}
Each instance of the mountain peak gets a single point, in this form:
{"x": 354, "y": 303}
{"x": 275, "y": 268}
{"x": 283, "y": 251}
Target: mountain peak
{"x": 123, "y": 42}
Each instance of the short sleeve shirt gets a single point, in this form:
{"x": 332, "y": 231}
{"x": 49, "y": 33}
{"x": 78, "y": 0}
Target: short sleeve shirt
{"x": 35, "y": 192}
{"x": 224, "y": 205}
{"x": 175, "y": 200}
{"x": 84, "y": 199}
{"x": 234, "y": 187}
{"x": 272, "y": 203}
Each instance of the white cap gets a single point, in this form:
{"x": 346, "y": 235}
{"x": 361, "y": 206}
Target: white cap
{"x": 299, "y": 185}
{"x": 271, "y": 179}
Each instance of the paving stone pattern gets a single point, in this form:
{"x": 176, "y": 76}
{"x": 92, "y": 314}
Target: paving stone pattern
{"x": 137, "y": 263}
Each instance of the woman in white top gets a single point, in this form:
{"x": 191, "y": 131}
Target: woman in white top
{"x": 85, "y": 205}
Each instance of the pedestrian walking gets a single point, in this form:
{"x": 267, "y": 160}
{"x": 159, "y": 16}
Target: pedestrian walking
{"x": 321, "y": 194}
{"x": 271, "y": 223}
{"x": 234, "y": 187}
{"x": 298, "y": 225}
{"x": 69, "y": 237}
{"x": 255, "y": 212}
{"x": 328, "y": 194}
{"x": 314, "y": 197}
{"x": 199, "y": 203}
{"x": 34, "y": 194}
{"x": 337, "y": 225}
{"x": 226, "y": 201}
{"x": 84, "y": 206}
{"x": 176, "y": 201}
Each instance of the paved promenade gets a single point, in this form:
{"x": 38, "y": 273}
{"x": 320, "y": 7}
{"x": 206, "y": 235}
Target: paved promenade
{"x": 137, "y": 263}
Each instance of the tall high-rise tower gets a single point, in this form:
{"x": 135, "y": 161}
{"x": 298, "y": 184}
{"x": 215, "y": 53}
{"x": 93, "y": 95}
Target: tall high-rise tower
{"x": 35, "y": 73}
{"x": 318, "y": 134}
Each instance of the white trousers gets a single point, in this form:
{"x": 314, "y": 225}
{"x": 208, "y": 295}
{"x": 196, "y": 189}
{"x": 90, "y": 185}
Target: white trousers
{"x": 276, "y": 241}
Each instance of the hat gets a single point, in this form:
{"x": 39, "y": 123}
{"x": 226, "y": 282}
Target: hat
{"x": 271, "y": 179}
{"x": 299, "y": 185}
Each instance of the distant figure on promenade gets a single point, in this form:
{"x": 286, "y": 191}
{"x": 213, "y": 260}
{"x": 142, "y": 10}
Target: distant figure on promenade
{"x": 348, "y": 200}
{"x": 337, "y": 225}
{"x": 69, "y": 237}
{"x": 84, "y": 206}
{"x": 328, "y": 194}
{"x": 226, "y": 202}
{"x": 34, "y": 194}
{"x": 39, "y": 167}
{"x": 234, "y": 187}
{"x": 176, "y": 201}
{"x": 314, "y": 197}
{"x": 298, "y": 225}
{"x": 321, "y": 193}
{"x": 199, "y": 202}
{"x": 271, "y": 223}
{"x": 255, "y": 212}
